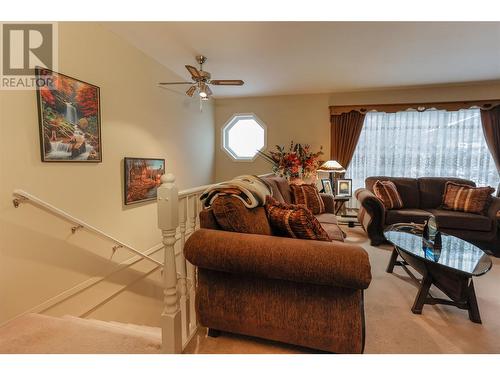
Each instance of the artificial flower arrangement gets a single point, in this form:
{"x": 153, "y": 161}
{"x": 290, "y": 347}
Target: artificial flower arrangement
{"x": 299, "y": 162}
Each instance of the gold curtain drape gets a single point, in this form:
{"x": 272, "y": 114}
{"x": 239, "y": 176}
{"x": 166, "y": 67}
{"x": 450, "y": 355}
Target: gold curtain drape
{"x": 347, "y": 122}
{"x": 392, "y": 108}
{"x": 345, "y": 132}
{"x": 491, "y": 128}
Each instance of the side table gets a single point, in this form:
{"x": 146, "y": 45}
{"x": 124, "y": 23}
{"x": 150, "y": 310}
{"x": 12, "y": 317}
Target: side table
{"x": 340, "y": 203}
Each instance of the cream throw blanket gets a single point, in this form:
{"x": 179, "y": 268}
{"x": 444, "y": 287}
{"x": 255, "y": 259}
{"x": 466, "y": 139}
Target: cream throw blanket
{"x": 251, "y": 190}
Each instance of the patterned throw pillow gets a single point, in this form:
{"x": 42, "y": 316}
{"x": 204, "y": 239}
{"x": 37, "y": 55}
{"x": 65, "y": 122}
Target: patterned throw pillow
{"x": 466, "y": 198}
{"x": 388, "y": 193}
{"x": 296, "y": 221}
{"x": 308, "y": 195}
{"x": 233, "y": 216}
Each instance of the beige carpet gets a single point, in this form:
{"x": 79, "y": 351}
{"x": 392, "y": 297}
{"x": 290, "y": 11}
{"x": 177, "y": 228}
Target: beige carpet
{"x": 393, "y": 328}
{"x": 40, "y": 334}
{"x": 390, "y": 325}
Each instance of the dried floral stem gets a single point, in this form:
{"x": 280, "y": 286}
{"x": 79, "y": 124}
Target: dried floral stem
{"x": 297, "y": 162}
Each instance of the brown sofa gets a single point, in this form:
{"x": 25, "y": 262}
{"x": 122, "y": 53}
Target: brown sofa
{"x": 421, "y": 198}
{"x": 301, "y": 292}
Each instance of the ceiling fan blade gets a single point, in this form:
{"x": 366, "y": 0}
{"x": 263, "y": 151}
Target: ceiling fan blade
{"x": 191, "y": 91}
{"x": 193, "y": 71}
{"x": 209, "y": 91}
{"x": 227, "y": 82}
{"x": 176, "y": 83}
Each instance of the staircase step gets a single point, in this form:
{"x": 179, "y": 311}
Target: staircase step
{"x": 146, "y": 329}
{"x": 133, "y": 329}
{"x": 42, "y": 334}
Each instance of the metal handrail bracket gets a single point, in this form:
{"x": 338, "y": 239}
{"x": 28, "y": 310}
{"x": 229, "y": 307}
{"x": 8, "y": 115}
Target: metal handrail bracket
{"x": 20, "y": 196}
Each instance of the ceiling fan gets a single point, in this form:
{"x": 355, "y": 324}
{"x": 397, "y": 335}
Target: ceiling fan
{"x": 202, "y": 81}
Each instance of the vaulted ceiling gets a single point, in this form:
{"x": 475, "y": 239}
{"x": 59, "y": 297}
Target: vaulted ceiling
{"x": 276, "y": 58}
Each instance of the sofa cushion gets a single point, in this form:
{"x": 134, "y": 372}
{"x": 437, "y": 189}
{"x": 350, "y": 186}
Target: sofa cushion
{"x": 207, "y": 219}
{"x": 232, "y": 215}
{"x": 462, "y": 220}
{"x": 308, "y": 195}
{"x": 406, "y": 215}
{"x": 464, "y": 198}
{"x": 282, "y": 185}
{"x": 273, "y": 186}
{"x": 388, "y": 193}
{"x": 296, "y": 221}
{"x": 407, "y": 189}
{"x": 334, "y": 231}
{"x": 329, "y": 202}
{"x": 329, "y": 223}
{"x": 432, "y": 189}
{"x": 327, "y": 218}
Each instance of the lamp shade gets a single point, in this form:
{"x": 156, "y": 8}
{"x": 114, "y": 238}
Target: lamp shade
{"x": 331, "y": 166}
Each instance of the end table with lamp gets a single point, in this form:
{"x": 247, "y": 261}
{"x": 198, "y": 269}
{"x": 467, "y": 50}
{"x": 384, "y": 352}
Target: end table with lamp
{"x": 332, "y": 167}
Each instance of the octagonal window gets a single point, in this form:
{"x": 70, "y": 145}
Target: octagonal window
{"x": 243, "y": 136}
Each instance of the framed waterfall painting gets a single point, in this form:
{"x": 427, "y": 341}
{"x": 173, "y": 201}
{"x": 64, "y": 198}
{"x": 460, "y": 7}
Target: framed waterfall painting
{"x": 69, "y": 116}
{"x": 142, "y": 178}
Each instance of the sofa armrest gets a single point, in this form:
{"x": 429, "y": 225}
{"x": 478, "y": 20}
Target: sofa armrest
{"x": 371, "y": 203}
{"x": 493, "y": 210}
{"x": 371, "y": 215}
{"x": 307, "y": 261}
{"x": 329, "y": 202}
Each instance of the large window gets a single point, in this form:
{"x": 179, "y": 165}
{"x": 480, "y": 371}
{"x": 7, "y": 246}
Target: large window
{"x": 417, "y": 144}
{"x": 242, "y": 136}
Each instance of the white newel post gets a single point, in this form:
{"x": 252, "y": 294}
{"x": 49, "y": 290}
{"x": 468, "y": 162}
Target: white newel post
{"x": 168, "y": 220}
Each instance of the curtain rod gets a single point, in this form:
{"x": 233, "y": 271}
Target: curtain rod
{"x": 420, "y": 107}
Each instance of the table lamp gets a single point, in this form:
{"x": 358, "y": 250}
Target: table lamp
{"x": 332, "y": 167}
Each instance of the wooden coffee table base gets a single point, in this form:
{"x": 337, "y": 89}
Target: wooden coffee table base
{"x": 457, "y": 286}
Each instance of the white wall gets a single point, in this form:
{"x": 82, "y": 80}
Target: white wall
{"x": 305, "y": 118}
{"x": 423, "y": 94}
{"x": 39, "y": 258}
{"x": 298, "y": 118}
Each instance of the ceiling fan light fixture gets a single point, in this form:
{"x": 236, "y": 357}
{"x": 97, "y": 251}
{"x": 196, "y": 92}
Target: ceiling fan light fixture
{"x": 201, "y": 81}
{"x": 203, "y": 90}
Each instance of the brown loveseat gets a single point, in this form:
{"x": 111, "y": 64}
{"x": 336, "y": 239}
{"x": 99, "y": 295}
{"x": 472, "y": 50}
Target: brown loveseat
{"x": 302, "y": 292}
{"x": 421, "y": 198}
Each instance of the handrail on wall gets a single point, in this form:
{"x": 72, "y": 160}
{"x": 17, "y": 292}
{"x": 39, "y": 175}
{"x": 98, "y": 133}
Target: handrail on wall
{"x": 20, "y": 196}
{"x": 177, "y": 219}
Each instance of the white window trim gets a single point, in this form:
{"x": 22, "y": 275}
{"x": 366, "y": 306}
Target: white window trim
{"x": 229, "y": 124}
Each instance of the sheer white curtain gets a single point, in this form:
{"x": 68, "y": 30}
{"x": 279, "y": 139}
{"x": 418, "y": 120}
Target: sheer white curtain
{"x": 418, "y": 144}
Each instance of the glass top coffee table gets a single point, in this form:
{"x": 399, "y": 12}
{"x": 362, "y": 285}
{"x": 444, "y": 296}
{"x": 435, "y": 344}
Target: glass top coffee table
{"x": 450, "y": 268}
